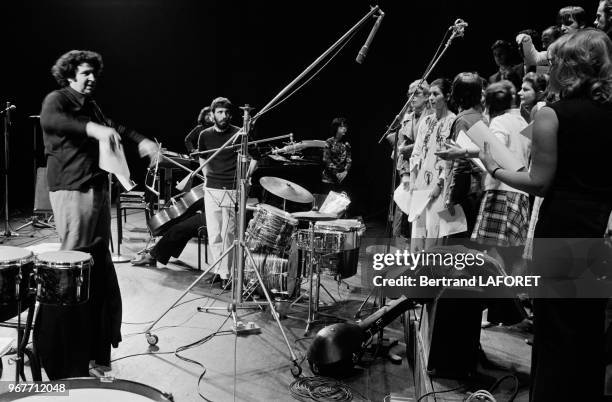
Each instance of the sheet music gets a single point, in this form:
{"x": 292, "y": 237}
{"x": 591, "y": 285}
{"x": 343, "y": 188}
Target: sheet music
{"x": 452, "y": 224}
{"x": 418, "y": 202}
{"x": 112, "y": 160}
{"x": 479, "y": 133}
{"x": 464, "y": 142}
{"x": 402, "y": 197}
{"x": 528, "y": 131}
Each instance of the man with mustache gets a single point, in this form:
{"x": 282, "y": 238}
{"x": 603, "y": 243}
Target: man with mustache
{"x": 73, "y": 125}
{"x": 220, "y": 188}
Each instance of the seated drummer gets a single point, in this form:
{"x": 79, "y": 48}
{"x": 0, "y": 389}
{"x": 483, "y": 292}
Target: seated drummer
{"x": 174, "y": 241}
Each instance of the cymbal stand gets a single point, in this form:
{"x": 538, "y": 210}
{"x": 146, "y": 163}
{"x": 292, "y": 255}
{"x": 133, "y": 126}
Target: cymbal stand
{"x": 239, "y": 248}
{"x": 7, "y": 124}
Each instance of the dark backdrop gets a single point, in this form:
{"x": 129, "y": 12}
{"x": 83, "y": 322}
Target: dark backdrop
{"x": 164, "y": 60}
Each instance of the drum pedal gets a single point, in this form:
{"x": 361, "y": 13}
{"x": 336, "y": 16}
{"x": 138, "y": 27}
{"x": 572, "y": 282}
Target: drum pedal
{"x": 246, "y": 329}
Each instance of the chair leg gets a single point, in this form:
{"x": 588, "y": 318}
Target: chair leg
{"x": 199, "y": 253}
{"x": 206, "y": 249}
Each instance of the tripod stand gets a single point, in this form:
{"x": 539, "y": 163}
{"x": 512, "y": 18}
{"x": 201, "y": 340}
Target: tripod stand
{"x": 239, "y": 248}
{"x": 7, "y": 124}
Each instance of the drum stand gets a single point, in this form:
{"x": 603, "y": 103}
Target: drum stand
{"x": 239, "y": 248}
{"x": 313, "y": 302}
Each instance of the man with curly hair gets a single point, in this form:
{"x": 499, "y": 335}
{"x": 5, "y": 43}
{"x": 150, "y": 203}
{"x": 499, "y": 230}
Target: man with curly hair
{"x": 73, "y": 125}
{"x": 603, "y": 18}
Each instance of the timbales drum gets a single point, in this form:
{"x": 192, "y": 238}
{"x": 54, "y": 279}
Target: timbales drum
{"x": 332, "y": 236}
{"x": 270, "y": 230}
{"x": 16, "y": 266}
{"x": 62, "y": 277}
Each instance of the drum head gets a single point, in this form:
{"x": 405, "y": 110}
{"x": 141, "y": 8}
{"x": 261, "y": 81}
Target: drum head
{"x": 63, "y": 257}
{"x": 342, "y": 225}
{"x": 10, "y": 254}
{"x": 278, "y": 212}
{"x": 98, "y": 390}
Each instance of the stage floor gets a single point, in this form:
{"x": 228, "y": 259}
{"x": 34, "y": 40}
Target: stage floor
{"x": 251, "y": 368}
{"x": 254, "y": 367}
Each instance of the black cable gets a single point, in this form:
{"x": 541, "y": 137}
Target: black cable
{"x": 501, "y": 379}
{"x": 140, "y": 354}
{"x": 439, "y": 392}
{"x": 320, "y": 389}
{"x": 179, "y": 304}
{"x": 198, "y": 343}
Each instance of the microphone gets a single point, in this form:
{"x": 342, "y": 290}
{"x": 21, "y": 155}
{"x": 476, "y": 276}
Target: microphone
{"x": 458, "y": 27}
{"x": 364, "y": 49}
{"x": 8, "y": 108}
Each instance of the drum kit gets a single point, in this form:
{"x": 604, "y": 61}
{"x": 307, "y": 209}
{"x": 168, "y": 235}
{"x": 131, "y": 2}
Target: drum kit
{"x": 284, "y": 254}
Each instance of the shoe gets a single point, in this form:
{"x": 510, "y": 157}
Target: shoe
{"x": 226, "y": 284}
{"x": 144, "y": 260}
{"x": 214, "y": 279}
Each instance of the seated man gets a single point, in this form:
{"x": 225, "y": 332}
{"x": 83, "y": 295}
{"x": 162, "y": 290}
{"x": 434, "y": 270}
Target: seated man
{"x": 173, "y": 242}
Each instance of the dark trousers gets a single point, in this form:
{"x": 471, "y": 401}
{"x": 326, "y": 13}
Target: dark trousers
{"x": 174, "y": 241}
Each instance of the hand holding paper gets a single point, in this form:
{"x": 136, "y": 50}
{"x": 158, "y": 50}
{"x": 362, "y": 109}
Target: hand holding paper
{"x": 112, "y": 160}
{"x": 480, "y": 133}
{"x": 487, "y": 158}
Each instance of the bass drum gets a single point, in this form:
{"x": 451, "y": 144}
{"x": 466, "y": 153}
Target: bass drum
{"x": 95, "y": 390}
{"x": 280, "y": 276}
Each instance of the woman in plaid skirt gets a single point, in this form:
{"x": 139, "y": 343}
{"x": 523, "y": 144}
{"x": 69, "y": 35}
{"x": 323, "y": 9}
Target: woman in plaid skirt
{"x": 503, "y": 218}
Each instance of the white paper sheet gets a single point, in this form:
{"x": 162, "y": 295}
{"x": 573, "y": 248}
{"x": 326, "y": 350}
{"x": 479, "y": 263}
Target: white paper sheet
{"x": 528, "y": 131}
{"x": 464, "y": 142}
{"x": 479, "y": 133}
{"x": 418, "y": 202}
{"x": 402, "y": 197}
{"x": 113, "y": 161}
{"x": 449, "y": 224}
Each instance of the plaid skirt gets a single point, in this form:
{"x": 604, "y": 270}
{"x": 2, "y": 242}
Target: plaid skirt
{"x": 503, "y": 219}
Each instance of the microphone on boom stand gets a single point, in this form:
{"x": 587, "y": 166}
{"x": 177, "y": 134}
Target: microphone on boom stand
{"x": 366, "y": 46}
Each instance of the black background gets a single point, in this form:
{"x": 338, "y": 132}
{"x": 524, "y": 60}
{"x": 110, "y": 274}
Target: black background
{"x": 165, "y": 60}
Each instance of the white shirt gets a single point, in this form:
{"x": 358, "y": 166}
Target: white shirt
{"x": 507, "y": 128}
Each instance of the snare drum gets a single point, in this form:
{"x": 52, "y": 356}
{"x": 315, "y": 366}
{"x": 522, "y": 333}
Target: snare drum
{"x": 270, "y": 230}
{"x": 95, "y": 390}
{"x": 278, "y": 275}
{"x": 16, "y": 265}
{"x": 62, "y": 277}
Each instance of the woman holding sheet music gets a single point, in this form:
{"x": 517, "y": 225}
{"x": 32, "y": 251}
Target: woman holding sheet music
{"x": 570, "y": 142}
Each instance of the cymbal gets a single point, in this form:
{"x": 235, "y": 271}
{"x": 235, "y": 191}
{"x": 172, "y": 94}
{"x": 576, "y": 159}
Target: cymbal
{"x": 286, "y": 189}
{"x": 313, "y": 216}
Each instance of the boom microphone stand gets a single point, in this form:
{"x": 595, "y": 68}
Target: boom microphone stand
{"x": 7, "y": 124}
{"x": 238, "y": 245}
{"x": 457, "y": 31}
